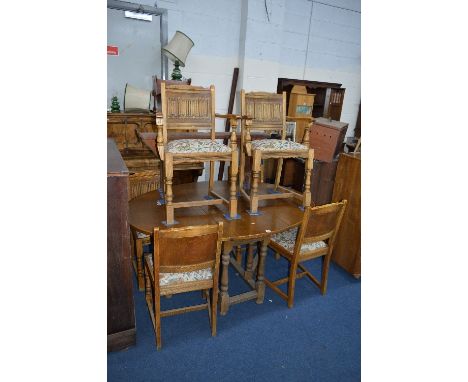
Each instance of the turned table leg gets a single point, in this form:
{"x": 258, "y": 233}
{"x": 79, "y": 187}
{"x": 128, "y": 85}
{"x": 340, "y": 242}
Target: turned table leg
{"x": 223, "y": 292}
{"x": 261, "y": 271}
{"x": 249, "y": 262}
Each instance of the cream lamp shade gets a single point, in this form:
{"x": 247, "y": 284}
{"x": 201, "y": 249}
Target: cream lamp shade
{"x": 136, "y": 99}
{"x": 178, "y": 48}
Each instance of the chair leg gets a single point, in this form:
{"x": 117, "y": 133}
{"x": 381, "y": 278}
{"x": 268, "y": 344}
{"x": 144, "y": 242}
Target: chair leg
{"x": 241, "y": 168}
{"x": 233, "y": 169}
{"x": 139, "y": 262}
{"x": 291, "y": 284}
{"x": 279, "y": 169}
{"x": 309, "y": 163}
{"x": 214, "y": 310}
{"x": 157, "y": 319}
{"x": 257, "y": 158}
{"x": 211, "y": 178}
{"x": 325, "y": 268}
{"x": 169, "y": 173}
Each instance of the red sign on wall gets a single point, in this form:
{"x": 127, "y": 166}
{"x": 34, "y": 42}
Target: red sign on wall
{"x": 112, "y": 50}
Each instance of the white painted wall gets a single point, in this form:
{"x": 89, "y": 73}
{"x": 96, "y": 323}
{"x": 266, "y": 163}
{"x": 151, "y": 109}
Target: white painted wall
{"x": 303, "y": 39}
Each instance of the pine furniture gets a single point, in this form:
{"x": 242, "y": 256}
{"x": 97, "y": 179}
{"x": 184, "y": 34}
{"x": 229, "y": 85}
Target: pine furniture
{"x": 192, "y": 108}
{"x": 267, "y": 112}
{"x": 184, "y": 260}
{"x": 315, "y": 237}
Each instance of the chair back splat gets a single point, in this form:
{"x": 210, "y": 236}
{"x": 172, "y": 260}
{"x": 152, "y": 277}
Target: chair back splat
{"x": 267, "y": 111}
{"x": 188, "y": 108}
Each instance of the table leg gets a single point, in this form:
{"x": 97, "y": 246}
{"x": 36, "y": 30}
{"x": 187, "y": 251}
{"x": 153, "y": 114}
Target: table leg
{"x": 261, "y": 271}
{"x": 249, "y": 262}
{"x": 223, "y": 293}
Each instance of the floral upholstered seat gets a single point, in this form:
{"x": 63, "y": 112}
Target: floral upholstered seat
{"x": 187, "y": 146}
{"x": 277, "y": 145}
{"x": 170, "y": 278}
{"x": 287, "y": 240}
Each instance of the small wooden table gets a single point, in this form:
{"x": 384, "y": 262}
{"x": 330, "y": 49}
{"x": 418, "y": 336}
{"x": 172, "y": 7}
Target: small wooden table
{"x": 277, "y": 215}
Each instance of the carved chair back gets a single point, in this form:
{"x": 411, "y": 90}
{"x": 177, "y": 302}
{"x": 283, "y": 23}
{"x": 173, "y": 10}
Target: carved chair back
{"x": 268, "y": 111}
{"x": 187, "y": 249}
{"x": 319, "y": 224}
{"x": 157, "y": 89}
{"x": 188, "y": 108}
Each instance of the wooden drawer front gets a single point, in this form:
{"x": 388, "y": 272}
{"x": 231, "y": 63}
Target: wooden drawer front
{"x": 325, "y": 141}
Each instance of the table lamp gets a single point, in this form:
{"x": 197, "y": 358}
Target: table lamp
{"x": 136, "y": 100}
{"x": 177, "y": 50}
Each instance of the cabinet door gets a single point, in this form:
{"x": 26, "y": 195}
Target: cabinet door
{"x": 336, "y": 104}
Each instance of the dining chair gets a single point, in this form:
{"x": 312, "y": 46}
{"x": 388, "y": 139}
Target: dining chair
{"x": 314, "y": 238}
{"x": 267, "y": 112}
{"x": 184, "y": 260}
{"x": 188, "y": 109}
{"x": 140, "y": 183}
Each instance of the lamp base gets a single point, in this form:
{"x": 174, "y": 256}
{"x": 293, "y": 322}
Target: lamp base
{"x": 176, "y": 73}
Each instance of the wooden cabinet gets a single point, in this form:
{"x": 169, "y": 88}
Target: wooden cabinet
{"x": 121, "y": 331}
{"x": 326, "y": 138}
{"x": 347, "y": 252}
{"x": 328, "y": 100}
{"x": 323, "y": 178}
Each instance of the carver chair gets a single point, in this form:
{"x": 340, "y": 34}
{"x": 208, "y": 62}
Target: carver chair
{"x": 185, "y": 110}
{"x": 184, "y": 260}
{"x": 267, "y": 112}
{"x": 314, "y": 238}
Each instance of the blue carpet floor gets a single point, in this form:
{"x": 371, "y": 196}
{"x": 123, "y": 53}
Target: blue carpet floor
{"x": 317, "y": 340}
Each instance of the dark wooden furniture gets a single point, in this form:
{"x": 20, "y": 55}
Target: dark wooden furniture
{"x": 323, "y": 178}
{"x": 267, "y": 112}
{"x": 186, "y": 108}
{"x": 347, "y": 251}
{"x": 121, "y": 331}
{"x": 142, "y": 163}
{"x": 278, "y": 215}
{"x": 184, "y": 260}
{"x": 328, "y": 100}
{"x": 314, "y": 238}
{"x": 326, "y": 138}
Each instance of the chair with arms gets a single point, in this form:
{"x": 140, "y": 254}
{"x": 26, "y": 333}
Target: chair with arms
{"x": 314, "y": 238}
{"x": 184, "y": 260}
{"x": 186, "y": 109}
{"x": 267, "y": 112}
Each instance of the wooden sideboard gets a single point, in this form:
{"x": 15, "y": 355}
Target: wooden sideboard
{"x": 121, "y": 331}
{"x": 142, "y": 163}
{"x": 347, "y": 252}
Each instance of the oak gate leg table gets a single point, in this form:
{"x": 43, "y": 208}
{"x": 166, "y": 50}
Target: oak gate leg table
{"x": 277, "y": 215}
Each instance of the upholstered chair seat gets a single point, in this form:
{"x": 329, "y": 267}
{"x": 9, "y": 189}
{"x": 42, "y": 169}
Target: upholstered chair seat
{"x": 287, "y": 240}
{"x": 188, "y": 146}
{"x": 141, "y": 235}
{"x": 277, "y": 145}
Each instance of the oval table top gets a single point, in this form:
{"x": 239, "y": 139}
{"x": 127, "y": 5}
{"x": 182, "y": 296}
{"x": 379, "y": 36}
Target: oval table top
{"x": 277, "y": 215}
